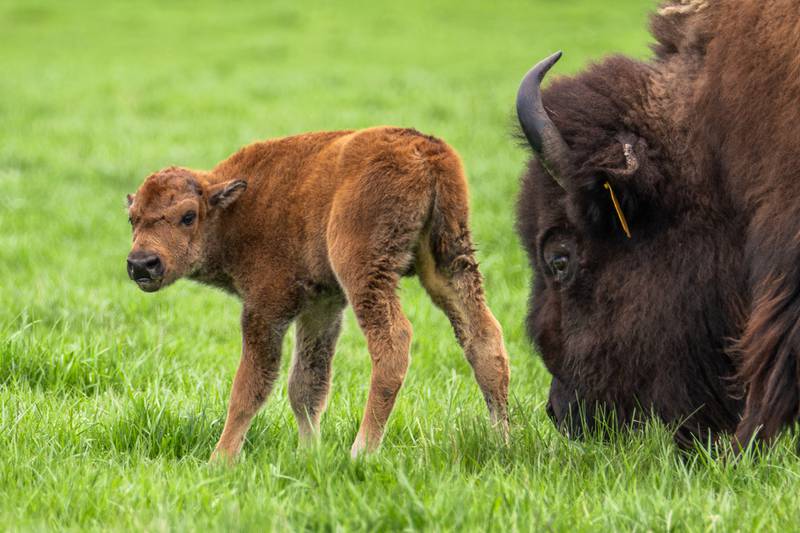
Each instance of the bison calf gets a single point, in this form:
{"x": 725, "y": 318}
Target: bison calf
{"x": 298, "y": 227}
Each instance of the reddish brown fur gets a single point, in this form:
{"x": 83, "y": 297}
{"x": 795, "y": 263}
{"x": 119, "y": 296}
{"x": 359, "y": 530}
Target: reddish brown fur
{"x": 702, "y": 305}
{"x": 326, "y": 219}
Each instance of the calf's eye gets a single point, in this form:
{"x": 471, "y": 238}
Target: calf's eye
{"x": 188, "y": 218}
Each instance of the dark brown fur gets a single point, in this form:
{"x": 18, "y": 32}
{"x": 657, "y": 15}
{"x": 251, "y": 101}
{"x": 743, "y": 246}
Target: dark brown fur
{"x": 696, "y": 316}
{"x": 325, "y": 219}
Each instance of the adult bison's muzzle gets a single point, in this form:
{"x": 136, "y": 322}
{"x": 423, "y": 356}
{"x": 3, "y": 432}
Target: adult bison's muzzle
{"x": 146, "y": 269}
{"x": 574, "y": 416}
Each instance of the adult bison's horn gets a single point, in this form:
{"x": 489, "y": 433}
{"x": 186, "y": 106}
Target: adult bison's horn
{"x": 542, "y": 134}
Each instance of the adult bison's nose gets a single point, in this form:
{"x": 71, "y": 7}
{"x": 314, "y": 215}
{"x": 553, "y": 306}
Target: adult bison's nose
{"x": 566, "y": 411}
{"x": 146, "y": 269}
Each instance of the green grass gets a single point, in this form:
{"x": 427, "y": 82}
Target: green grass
{"x": 111, "y": 400}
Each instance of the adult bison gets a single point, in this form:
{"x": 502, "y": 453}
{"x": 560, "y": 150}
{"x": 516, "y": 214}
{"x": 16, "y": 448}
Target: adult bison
{"x": 662, "y": 220}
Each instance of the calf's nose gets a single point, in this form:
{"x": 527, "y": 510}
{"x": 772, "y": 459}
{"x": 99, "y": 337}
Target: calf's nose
{"x": 144, "y": 265}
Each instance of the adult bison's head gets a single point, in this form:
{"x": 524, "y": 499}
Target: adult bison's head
{"x": 171, "y": 215}
{"x": 637, "y": 275}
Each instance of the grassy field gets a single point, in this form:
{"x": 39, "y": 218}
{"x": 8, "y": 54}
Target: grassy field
{"x": 111, "y": 400}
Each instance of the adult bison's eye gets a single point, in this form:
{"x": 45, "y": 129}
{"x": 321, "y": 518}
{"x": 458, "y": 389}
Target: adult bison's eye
{"x": 188, "y": 218}
{"x": 559, "y": 267}
{"x": 559, "y": 255}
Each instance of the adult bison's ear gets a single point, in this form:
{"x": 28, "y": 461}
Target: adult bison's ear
{"x": 614, "y": 188}
{"x": 224, "y": 194}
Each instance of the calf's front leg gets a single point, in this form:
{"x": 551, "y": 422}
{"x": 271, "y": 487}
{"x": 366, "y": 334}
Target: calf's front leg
{"x": 262, "y": 337}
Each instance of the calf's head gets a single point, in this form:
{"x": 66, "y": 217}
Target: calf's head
{"x": 636, "y": 277}
{"x": 172, "y": 215}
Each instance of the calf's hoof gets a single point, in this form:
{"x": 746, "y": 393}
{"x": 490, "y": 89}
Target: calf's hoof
{"x": 498, "y": 417}
{"x": 222, "y": 457}
{"x": 501, "y": 426}
{"x": 308, "y": 437}
{"x": 362, "y": 447}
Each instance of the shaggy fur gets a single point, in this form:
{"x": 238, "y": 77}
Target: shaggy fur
{"x": 696, "y": 317}
{"x": 298, "y": 227}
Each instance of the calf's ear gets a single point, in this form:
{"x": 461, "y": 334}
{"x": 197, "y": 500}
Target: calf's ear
{"x": 224, "y": 194}
{"x": 129, "y": 199}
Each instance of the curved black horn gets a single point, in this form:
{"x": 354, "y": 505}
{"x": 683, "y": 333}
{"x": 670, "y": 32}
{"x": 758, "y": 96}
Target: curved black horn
{"x": 542, "y": 134}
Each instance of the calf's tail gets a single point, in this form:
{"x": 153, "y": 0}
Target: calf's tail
{"x": 450, "y": 238}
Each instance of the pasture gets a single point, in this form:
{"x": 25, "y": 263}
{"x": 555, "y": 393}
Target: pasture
{"x": 111, "y": 399}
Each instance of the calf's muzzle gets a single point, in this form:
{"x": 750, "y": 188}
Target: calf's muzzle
{"x": 146, "y": 269}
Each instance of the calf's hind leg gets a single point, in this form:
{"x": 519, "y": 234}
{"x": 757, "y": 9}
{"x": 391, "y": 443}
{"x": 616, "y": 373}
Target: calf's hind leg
{"x": 457, "y": 289}
{"x": 317, "y": 330}
{"x": 369, "y": 273}
{"x": 388, "y": 334}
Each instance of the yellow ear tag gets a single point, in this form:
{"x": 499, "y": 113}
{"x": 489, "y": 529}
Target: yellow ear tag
{"x": 620, "y": 214}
